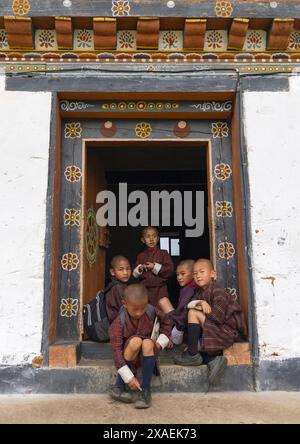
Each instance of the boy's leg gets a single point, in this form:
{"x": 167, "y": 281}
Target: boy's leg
{"x": 121, "y": 392}
{"x": 194, "y": 327}
{"x": 148, "y": 364}
{"x": 165, "y": 305}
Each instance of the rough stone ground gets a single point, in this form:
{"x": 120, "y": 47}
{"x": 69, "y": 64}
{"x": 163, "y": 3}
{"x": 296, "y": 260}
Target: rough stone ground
{"x": 167, "y": 408}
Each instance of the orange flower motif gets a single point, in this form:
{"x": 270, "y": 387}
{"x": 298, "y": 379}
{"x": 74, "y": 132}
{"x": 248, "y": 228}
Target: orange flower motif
{"x": 224, "y": 208}
{"x": 73, "y": 173}
{"x": 223, "y": 171}
{"x": 20, "y": 7}
{"x": 226, "y": 250}
{"x": 69, "y": 261}
{"x": 143, "y": 130}
{"x": 223, "y": 9}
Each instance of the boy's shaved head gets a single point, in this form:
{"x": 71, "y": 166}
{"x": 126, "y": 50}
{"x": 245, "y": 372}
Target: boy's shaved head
{"x": 135, "y": 292}
{"x": 186, "y": 263}
{"x": 207, "y": 262}
{"x": 116, "y": 260}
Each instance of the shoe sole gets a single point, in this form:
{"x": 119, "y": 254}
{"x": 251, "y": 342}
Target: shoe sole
{"x": 124, "y": 400}
{"x": 214, "y": 377}
{"x": 139, "y": 406}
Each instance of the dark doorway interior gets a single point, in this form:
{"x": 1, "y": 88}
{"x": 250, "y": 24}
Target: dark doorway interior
{"x": 157, "y": 167}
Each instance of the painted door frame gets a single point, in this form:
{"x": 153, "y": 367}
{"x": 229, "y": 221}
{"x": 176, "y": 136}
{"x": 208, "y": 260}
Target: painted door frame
{"x": 51, "y": 310}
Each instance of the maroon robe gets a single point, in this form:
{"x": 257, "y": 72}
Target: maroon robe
{"x": 119, "y": 334}
{"x": 179, "y": 315}
{"x": 225, "y": 322}
{"x": 156, "y": 284}
{"x": 114, "y": 298}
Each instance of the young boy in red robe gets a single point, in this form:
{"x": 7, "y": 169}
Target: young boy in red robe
{"x": 153, "y": 268}
{"x": 178, "y": 316}
{"x": 120, "y": 271}
{"x": 131, "y": 335}
{"x": 215, "y": 318}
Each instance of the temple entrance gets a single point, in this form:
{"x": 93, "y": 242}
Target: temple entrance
{"x": 180, "y": 169}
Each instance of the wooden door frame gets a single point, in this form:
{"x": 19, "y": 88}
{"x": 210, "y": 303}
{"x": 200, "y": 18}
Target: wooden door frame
{"x": 239, "y": 216}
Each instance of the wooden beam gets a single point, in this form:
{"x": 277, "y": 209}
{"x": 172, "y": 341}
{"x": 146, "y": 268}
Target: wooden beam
{"x": 19, "y": 32}
{"x": 64, "y": 32}
{"x": 105, "y": 32}
{"x": 237, "y": 33}
{"x": 147, "y": 33}
{"x": 194, "y": 33}
{"x": 280, "y": 32}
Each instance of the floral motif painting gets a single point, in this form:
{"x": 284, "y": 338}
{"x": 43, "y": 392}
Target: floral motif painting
{"x": 69, "y": 307}
{"x": 226, "y": 250}
{"x": 83, "y": 39}
{"x": 143, "y": 130}
{"x": 126, "y": 40}
{"x": 219, "y": 130}
{"x": 170, "y": 41}
{"x": 224, "y": 208}
{"x": 45, "y": 39}
{"x": 255, "y": 40}
{"x": 3, "y": 39}
{"x": 69, "y": 261}
{"x": 73, "y": 173}
{"x": 216, "y": 40}
{"x": 20, "y": 7}
{"x": 72, "y": 217}
{"x": 294, "y": 41}
{"x": 120, "y": 8}
{"x": 223, "y": 171}
{"x": 73, "y": 130}
{"x": 223, "y": 9}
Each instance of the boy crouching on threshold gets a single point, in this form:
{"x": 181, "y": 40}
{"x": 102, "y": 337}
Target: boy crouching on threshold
{"x": 131, "y": 336}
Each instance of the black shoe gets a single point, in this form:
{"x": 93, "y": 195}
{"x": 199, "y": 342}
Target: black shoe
{"x": 216, "y": 368}
{"x": 187, "y": 359}
{"x": 121, "y": 394}
{"x": 144, "y": 400}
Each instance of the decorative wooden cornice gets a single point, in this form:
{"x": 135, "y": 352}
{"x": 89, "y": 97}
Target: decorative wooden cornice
{"x": 237, "y": 33}
{"x": 147, "y": 33}
{"x": 194, "y": 33}
{"x": 134, "y": 8}
{"x": 105, "y": 32}
{"x": 19, "y": 32}
{"x": 280, "y": 33}
{"x": 64, "y": 32}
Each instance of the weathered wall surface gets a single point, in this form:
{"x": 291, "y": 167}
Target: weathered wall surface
{"x": 24, "y": 148}
{"x": 272, "y": 134}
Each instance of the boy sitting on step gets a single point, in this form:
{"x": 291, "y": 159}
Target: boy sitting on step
{"x": 120, "y": 271}
{"x": 132, "y": 336}
{"x": 178, "y": 316}
{"x": 215, "y": 320}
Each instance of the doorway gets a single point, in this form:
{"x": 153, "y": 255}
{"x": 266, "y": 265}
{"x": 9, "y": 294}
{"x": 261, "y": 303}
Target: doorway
{"x": 147, "y": 166}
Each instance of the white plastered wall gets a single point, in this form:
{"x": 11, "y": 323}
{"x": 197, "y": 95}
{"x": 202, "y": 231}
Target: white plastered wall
{"x": 24, "y": 150}
{"x": 272, "y": 132}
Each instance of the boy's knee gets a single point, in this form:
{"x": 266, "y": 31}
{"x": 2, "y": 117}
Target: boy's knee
{"x": 135, "y": 343}
{"x": 148, "y": 346}
{"x": 193, "y": 314}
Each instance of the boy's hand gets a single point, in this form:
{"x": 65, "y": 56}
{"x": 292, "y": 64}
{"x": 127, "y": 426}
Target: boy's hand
{"x": 134, "y": 384}
{"x": 158, "y": 346}
{"x": 206, "y": 308}
{"x": 141, "y": 268}
{"x": 149, "y": 266}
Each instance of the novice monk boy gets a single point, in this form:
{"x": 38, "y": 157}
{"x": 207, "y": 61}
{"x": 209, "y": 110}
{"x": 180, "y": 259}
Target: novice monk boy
{"x": 130, "y": 336}
{"x": 153, "y": 268}
{"x": 120, "y": 271}
{"x": 215, "y": 319}
{"x": 185, "y": 278}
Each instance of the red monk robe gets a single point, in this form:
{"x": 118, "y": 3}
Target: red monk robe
{"x": 225, "y": 322}
{"x": 114, "y": 298}
{"x": 155, "y": 280}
